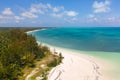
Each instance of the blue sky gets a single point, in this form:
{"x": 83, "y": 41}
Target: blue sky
{"x": 36, "y": 13}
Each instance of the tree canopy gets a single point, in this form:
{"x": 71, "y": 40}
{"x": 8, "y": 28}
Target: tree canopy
{"x": 17, "y": 50}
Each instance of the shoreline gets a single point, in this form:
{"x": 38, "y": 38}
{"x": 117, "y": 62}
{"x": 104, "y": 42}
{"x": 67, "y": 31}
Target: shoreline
{"x": 35, "y": 30}
{"x": 83, "y": 63}
{"x": 83, "y": 67}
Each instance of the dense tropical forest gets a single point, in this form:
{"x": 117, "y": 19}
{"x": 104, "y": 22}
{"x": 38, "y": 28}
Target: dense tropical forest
{"x": 19, "y": 51}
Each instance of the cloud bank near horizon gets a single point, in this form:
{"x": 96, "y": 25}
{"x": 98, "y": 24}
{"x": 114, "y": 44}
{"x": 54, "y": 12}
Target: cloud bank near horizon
{"x": 47, "y": 14}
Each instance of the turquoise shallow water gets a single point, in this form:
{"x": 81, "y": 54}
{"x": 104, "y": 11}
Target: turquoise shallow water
{"x": 103, "y": 43}
{"x": 87, "y": 39}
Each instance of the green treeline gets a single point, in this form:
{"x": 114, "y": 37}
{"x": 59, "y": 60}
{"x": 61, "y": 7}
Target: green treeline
{"x": 18, "y": 50}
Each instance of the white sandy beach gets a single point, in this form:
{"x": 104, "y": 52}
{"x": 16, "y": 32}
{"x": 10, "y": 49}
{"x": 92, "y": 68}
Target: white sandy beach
{"x": 76, "y": 66}
{"x": 34, "y": 30}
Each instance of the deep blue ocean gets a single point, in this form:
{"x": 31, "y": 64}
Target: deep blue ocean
{"x": 105, "y": 39}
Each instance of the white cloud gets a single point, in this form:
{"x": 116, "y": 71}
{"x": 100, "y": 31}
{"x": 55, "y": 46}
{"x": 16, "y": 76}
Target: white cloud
{"x": 98, "y": 20}
{"x": 65, "y": 14}
{"x": 18, "y": 18}
{"x": 91, "y": 16}
{"x": 1, "y": 17}
{"x": 7, "y": 11}
{"x": 74, "y": 19}
{"x": 57, "y": 9}
{"x": 42, "y": 6}
{"x": 49, "y": 5}
{"x": 28, "y": 15}
{"x": 12, "y": 18}
{"x": 9, "y": 16}
{"x": 71, "y": 20}
{"x": 57, "y": 15}
{"x": 113, "y": 20}
{"x": 71, "y": 13}
{"x": 33, "y": 22}
{"x": 35, "y": 10}
{"x": 100, "y": 7}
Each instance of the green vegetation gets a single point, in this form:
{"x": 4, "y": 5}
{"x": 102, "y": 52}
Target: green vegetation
{"x": 20, "y": 54}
